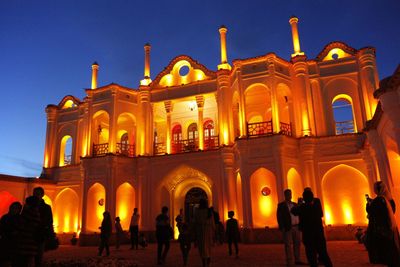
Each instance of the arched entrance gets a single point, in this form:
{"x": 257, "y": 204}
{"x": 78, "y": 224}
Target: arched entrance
{"x": 192, "y": 200}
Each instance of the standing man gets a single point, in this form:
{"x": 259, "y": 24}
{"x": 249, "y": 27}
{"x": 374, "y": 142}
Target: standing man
{"x": 134, "y": 229}
{"x": 163, "y": 235}
{"x": 46, "y": 224}
{"x": 289, "y": 225}
{"x": 310, "y": 214}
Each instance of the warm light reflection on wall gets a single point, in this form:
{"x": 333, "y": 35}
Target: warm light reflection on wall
{"x": 295, "y": 184}
{"x": 174, "y": 78}
{"x": 46, "y": 160}
{"x": 343, "y": 190}
{"x": 94, "y": 211}
{"x": 66, "y": 211}
{"x": 263, "y": 207}
{"x": 125, "y": 204}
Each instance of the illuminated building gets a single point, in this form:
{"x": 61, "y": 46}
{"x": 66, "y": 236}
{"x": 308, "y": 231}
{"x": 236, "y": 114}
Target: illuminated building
{"x": 238, "y": 136}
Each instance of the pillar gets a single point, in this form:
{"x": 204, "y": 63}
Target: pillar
{"x": 224, "y": 58}
{"x": 295, "y": 36}
{"x": 51, "y": 137}
{"x": 146, "y": 80}
{"x": 168, "y": 109}
{"x": 95, "y": 69}
{"x": 274, "y": 100}
{"x": 230, "y": 179}
{"x": 112, "y": 141}
{"x": 145, "y": 132}
{"x": 200, "y": 129}
{"x": 223, "y": 85}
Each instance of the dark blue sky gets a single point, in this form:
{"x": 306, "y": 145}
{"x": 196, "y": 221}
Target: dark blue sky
{"x": 47, "y": 48}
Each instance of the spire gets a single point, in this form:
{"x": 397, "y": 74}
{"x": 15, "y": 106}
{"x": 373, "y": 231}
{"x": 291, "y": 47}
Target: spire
{"x": 224, "y": 58}
{"x": 295, "y": 36}
{"x": 95, "y": 69}
{"x": 146, "y": 80}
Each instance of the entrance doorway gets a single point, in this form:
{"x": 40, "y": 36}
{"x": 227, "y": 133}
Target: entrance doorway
{"x": 192, "y": 200}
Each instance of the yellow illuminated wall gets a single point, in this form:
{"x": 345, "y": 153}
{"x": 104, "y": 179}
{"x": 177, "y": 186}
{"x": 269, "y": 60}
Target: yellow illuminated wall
{"x": 295, "y": 184}
{"x": 94, "y": 211}
{"x": 263, "y": 207}
{"x": 258, "y": 101}
{"x": 343, "y": 190}
{"x": 178, "y": 77}
{"x": 394, "y": 162}
{"x": 336, "y": 53}
{"x": 5, "y": 201}
{"x": 47, "y": 200}
{"x": 100, "y": 127}
{"x": 239, "y": 197}
{"x": 125, "y": 204}
{"x": 66, "y": 211}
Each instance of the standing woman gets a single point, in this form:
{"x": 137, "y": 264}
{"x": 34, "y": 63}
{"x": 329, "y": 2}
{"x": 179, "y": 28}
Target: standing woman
{"x": 383, "y": 241}
{"x": 205, "y": 229}
{"x": 105, "y": 233}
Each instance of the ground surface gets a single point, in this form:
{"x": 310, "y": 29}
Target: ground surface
{"x": 342, "y": 253}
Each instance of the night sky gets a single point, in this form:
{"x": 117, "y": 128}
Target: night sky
{"x": 47, "y": 48}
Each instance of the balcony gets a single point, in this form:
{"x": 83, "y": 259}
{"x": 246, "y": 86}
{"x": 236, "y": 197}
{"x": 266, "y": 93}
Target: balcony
{"x": 259, "y": 128}
{"x": 189, "y": 145}
{"x": 211, "y": 142}
{"x": 100, "y": 149}
{"x": 285, "y": 128}
{"x": 344, "y": 127}
{"x": 67, "y": 160}
{"x": 185, "y": 145}
{"x": 125, "y": 149}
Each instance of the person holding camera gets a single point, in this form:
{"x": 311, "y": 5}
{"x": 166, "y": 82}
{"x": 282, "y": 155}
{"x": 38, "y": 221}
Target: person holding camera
{"x": 289, "y": 225}
{"x": 310, "y": 222}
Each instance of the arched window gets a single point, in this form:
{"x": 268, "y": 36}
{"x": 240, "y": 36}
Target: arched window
{"x": 65, "y": 151}
{"x": 125, "y": 144}
{"x": 176, "y": 138}
{"x": 192, "y": 133}
{"x": 343, "y": 116}
{"x": 209, "y": 137}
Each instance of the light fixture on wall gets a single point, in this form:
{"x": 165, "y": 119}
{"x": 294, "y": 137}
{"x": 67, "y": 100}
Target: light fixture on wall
{"x": 265, "y": 191}
{"x": 192, "y": 105}
{"x": 101, "y": 202}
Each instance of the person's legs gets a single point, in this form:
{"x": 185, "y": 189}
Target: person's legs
{"x": 296, "y": 237}
{"x": 166, "y": 249}
{"x": 101, "y": 247}
{"x": 311, "y": 254}
{"x": 136, "y": 236}
{"x": 106, "y": 244}
{"x": 117, "y": 240}
{"x": 132, "y": 237}
{"x": 323, "y": 252}
{"x": 159, "y": 250}
{"x": 235, "y": 243}
{"x": 287, "y": 239}
{"x": 230, "y": 246}
{"x": 39, "y": 256}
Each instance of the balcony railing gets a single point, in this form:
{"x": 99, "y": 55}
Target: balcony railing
{"x": 125, "y": 149}
{"x": 185, "y": 145}
{"x": 67, "y": 159}
{"x": 160, "y": 148}
{"x": 100, "y": 149}
{"x": 211, "y": 142}
{"x": 344, "y": 127}
{"x": 285, "y": 128}
{"x": 259, "y": 128}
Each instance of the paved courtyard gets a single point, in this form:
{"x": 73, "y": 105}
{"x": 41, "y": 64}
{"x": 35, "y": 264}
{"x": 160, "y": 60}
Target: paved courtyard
{"x": 343, "y": 253}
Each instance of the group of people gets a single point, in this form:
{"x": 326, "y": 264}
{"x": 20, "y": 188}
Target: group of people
{"x": 106, "y": 231}
{"x": 25, "y": 231}
{"x": 303, "y": 220}
{"x": 201, "y": 231}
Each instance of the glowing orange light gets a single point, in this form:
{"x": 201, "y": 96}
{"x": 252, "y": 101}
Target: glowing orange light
{"x": 266, "y": 191}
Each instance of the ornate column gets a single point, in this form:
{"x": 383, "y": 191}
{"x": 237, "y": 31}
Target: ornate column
{"x": 228, "y": 157}
{"x": 145, "y": 133}
{"x": 222, "y": 101}
{"x": 295, "y": 36}
{"x": 112, "y": 142}
{"x": 95, "y": 70}
{"x": 168, "y": 109}
{"x": 274, "y": 99}
{"x": 242, "y": 102}
{"x": 200, "y": 106}
{"x": 369, "y": 80}
{"x": 303, "y": 85}
{"x": 51, "y": 135}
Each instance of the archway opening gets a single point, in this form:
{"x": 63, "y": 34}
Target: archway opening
{"x": 343, "y": 190}
{"x": 66, "y": 218}
{"x": 295, "y": 184}
{"x": 96, "y": 199}
{"x": 343, "y": 114}
{"x": 263, "y": 205}
{"x": 125, "y": 204}
{"x": 65, "y": 151}
{"x": 192, "y": 200}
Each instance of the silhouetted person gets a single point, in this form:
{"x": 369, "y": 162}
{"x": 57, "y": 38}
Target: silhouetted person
{"x": 204, "y": 227}
{"x": 163, "y": 235}
{"x": 184, "y": 242}
{"x": 219, "y": 228}
{"x": 383, "y": 241}
{"x": 289, "y": 226}
{"x": 232, "y": 233}
{"x": 142, "y": 240}
{"x": 105, "y": 233}
{"x": 46, "y": 224}
{"x": 310, "y": 223}
{"x": 179, "y": 220}
{"x": 134, "y": 229}
{"x": 119, "y": 233}
{"x": 29, "y": 233}
{"x": 9, "y": 224}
